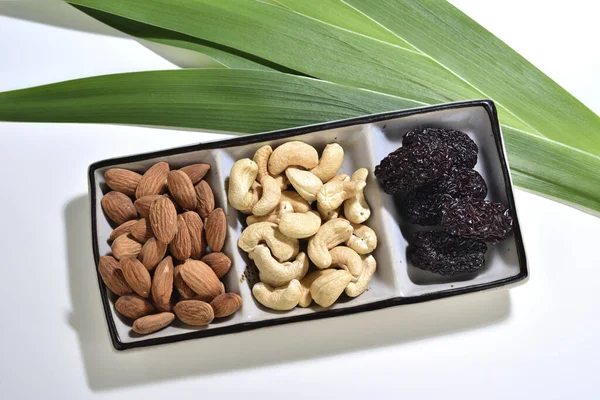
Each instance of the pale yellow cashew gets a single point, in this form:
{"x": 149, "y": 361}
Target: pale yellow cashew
{"x": 356, "y": 208}
{"x": 328, "y": 215}
{"x": 297, "y": 202}
{"x": 274, "y": 216}
{"x": 363, "y": 239}
{"x": 348, "y": 259}
{"x": 282, "y": 247}
{"x": 307, "y": 282}
{"x": 300, "y": 225}
{"x": 357, "y": 288}
{"x": 261, "y": 158}
{"x": 292, "y": 154}
{"x": 332, "y": 194}
{"x": 271, "y": 194}
{"x": 280, "y": 299}
{"x": 330, "y": 163}
{"x": 243, "y": 193}
{"x": 306, "y": 184}
{"x": 329, "y": 235}
{"x": 326, "y": 289}
{"x": 274, "y": 273}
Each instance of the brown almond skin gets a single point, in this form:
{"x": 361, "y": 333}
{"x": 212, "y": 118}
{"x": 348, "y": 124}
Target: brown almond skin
{"x": 201, "y": 279}
{"x": 181, "y": 245}
{"x": 218, "y": 262}
{"x": 122, "y": 229}
{"x": 142, "y": 205}
{"x": 196, "y": 229}
{"x": 194, "y": 312}
{"x": 162, "y": 284}
{"x": 154, "y": 181}
{"x": 112, "y": 275}
{"x": 182, "y": 189}
{"x": 125, "y": 246}
{"x": 142, "y": 230}
{"x": 182, "y": 288}
{"x": 226, "y": 304}
{"x": 152, "y": 323}
{"x": 133, "y": 306}
{"x": 216, "y": 229}
{"x": 196, "y": 172}
{"x": 206, "y": 199}
{"x": 137, "y": 276}
{"x": 118, "y": 207}
{"x": 163, "y": 218}
{"x": 122, "y": 180}
{"x": 152, "y": 252}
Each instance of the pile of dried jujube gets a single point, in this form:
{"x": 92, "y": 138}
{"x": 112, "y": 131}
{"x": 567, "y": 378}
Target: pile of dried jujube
{"x": 339, "y": 245}
{"x": 160, "y": 243}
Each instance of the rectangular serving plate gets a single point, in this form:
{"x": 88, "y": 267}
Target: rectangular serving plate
{"x": 366, "y": 140}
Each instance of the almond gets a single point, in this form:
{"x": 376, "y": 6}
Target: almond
{"x": 201, "y": 279}
{"x": 137, "y": 276}
{"x": 184, "y": 290}
{"x": 181, "y": 188}
{"x": 194, "y": 312}
{"x": 206, "y": 199}
{"x": 112, "y": 275}
{"x": 154, "y": 181}
{"x": 196, "y": 172}
{"x": 118, "y": 207}
{"x": 133, "y": 306}
{"x": 216, "y": 229}
{"x": 142, "y": 205}
{"x": 181, "y": 245}
{"x": 125, "y": 246}
{"x": 152, "y": 323}
{"x": 163, "y": 218}
{"x": 122, "y": 229}
{"x": 196, "y": 229}
{"x": 122, "y": 180}
{"x": 162, "y": 284}
{"x": 142, "y": 230}
{"x": 218, "y": 262}
{"x": 152, "y": 252}
{"x": 226, "y": 304}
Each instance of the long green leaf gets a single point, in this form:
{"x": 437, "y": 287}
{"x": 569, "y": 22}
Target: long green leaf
{"x": 256, "y": 101}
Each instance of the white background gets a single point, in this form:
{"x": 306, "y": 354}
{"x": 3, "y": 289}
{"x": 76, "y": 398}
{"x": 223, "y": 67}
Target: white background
{"x": 536, "y": 341}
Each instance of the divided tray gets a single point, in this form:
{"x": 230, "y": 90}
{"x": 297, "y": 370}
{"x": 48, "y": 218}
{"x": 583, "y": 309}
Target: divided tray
{"x": 366, "y": 141}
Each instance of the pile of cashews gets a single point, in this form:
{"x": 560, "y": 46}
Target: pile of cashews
{"x": 339, "y": 245}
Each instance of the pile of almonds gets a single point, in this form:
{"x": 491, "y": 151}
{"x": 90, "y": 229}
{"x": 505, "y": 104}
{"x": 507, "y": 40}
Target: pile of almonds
{"x": 160, "y": 244}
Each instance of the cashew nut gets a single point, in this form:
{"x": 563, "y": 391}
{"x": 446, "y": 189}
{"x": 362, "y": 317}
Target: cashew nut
{"x": 332, "y": 194}
{"x": 363, "y": 239}
{"x": 348, "y": 259}
{"x": 340, "y": 177}
{"x": 282, "y": 247}
{"x": 297, "y": 202}
{"x": 328, "y": 215}
{"x": 292, "y": 154}
{"x": 274, "y": 216}
{"x": 271, "y": 193}
{"x": 300, "y": 225}
{"x": 306, "y": 184}
{"x": 357, "y": 288}
{"x": 356, "y": 208}
{"x": 261, "y": 158}
{"x": 307, "y": 282}
{"x": 330, "y": 163}
{"x": 326, "y": 289}
{"x": 243, "y": 194}
{"x": 281, "y": 299}
{"x": 274, "y": 273}
{"x": 329, "y": 235}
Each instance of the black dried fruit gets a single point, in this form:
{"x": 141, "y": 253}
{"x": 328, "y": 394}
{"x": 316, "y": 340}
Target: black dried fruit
{"x": 462, "y": 145}
{"x": 477, "y": 219}
{"x": 460, "y": 183}
{"x": 426, "y": 155}
{"x": 446, "y": 254}
{"x": 422, "y": 208}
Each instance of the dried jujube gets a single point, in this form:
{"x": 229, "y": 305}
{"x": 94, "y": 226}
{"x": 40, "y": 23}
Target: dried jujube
{"x": 445, "y": 254}
{"x": 422, "y": 208}
{"x": 477, "y": 219}
{"x": 464, "y": 149}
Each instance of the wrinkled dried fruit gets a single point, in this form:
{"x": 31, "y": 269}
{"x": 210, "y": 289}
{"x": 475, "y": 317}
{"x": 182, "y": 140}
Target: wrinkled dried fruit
{"x": 463, "y": 147}
{"x": 445, "y": 254}
{"x": 480, "y": 219}
{"x": 460, "y": 183}
{"x": 422, "y": 208}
